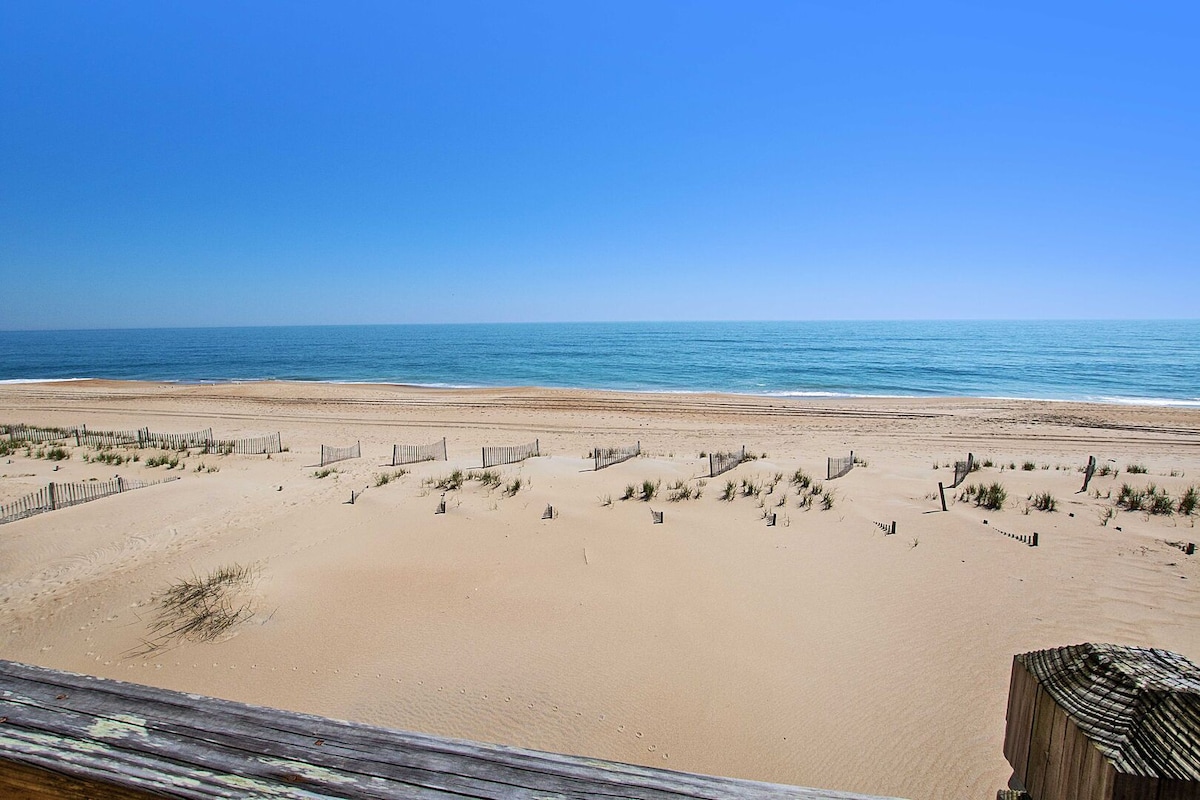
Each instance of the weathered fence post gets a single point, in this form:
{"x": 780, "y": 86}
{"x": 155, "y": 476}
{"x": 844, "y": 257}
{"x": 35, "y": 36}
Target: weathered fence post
{"x": 1191, "y": 549}
{"x": 942, "y": 493}
{"x": 53, "y": 503}
{"x": 1034, "y": 543}
{"x": 1088, "y": 472}
{"x": 120, "y": 484}
{"x": 893, "y": 527}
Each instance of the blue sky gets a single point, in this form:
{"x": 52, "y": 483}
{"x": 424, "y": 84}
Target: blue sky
{"x": 296, "y": 163}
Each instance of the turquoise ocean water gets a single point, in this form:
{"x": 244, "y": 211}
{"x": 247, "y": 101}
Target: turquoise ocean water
{"x": 1155, "y": 362}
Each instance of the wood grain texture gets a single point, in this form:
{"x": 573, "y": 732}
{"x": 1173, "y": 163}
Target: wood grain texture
{"x": 76, "y": 736}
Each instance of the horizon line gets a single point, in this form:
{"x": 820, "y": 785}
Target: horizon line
{"x": 601, "y": 322}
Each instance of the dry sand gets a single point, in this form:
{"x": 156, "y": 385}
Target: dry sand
{"x": 819, "y": 652}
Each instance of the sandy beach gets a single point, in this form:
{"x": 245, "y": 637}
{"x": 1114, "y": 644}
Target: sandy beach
{"x": 820, "y": 651}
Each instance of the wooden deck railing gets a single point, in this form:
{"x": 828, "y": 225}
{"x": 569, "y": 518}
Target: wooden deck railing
{"x": 75, "y": 736}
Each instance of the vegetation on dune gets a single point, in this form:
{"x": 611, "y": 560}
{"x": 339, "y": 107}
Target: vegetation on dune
{"x": 991, "y": 496}
{"x": 201, "y": 608}
{"x": 384, "y": 478}
{"x": 1044, "y": 501}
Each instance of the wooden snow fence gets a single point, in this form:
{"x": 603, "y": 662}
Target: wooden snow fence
{"x": 38, "y": 435}
{"x": 67, "y": 735}
{"x": 254, "y": 446}
{"x": 723, "y": 462}
{"x": 837, "y": 467}
{"x": 607, "y": 456}
{"x": 413, "y": 453}
{"x": 961, "y": 470}
{"x": 1104, "y": 722}
{"x": 179, "y": 441}
{"x": 63, "y": 495}
{"x": 331, "y": 454}
{"x": 137, "y": 438}
{"x": 493, "y": 456}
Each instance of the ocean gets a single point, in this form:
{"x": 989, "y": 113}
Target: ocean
{"x": 1144, "y": 362}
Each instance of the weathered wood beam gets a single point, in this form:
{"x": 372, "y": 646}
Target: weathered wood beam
{"x": 77, "y": 736}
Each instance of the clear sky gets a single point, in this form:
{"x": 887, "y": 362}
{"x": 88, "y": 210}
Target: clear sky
{"x": 212, "y": 163}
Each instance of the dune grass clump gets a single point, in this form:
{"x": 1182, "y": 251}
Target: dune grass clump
{"x": 1131, "y": 499}
{"x": 107, "y": 457}
{"x": 1044, "y": 501}
{"x": 802, "y": 480}
{"x": 1152, "y": 500}
{"x": 513, "y": 487}
{"x": 679, "y": 490}
{"x": 447, "y": 483}
{"x": 729, "y": 492}
{"x": 1029, "y": 466}
{"x": 630, "y": 491}
{"x": 201, "y": 609}
{"x": 489, "y": 478}
{"x": 649, "y": 490}
{"x": 990, "y": 496}
{"x": 750, "y": 488}
{"x": 827, "y": 501}
{"x": 1187, "y": 502}
{"x": 384, "y": 478}
{"x": 1136, "y": 469}
{"x": 1159, "y": 502}
{"x": 321, "y": 473}
{"x": 168, "y": 460}
{"x": 1106, "y": 470}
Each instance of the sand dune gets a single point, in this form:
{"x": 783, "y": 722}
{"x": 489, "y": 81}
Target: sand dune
{"x": 819, "y": 651}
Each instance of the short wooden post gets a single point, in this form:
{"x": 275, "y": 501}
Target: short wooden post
{"x": 893, "y": 527}
{"x": 942, "y": 493}
{"x": 120, "y": 484}
{"x": 53, "y": 503}
{"x": 351, "y": 497}
{"x": 1034, "y": 543}
{"x": 1191, "y": 549}
{"x": 549, "y": 512}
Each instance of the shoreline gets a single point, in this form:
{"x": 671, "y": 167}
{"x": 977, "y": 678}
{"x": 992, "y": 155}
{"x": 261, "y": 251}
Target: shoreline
{"x": 799, "y": 396}
{"x": 821, "y": 651}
